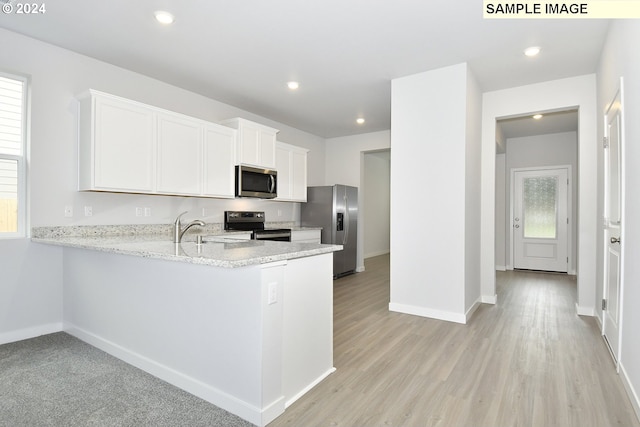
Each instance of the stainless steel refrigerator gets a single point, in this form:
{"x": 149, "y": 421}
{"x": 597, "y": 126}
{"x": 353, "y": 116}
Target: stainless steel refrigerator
{"x": 335, "y": 209}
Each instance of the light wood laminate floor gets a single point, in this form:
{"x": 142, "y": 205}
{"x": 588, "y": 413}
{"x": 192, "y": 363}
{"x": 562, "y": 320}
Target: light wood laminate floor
{"x": 529, "y": 360}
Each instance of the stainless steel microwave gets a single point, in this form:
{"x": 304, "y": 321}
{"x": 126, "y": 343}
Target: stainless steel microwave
{"x": 256, "y": 182}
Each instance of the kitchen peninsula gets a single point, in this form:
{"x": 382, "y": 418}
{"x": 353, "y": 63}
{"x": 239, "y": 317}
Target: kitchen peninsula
{"x": 246, "y": 325}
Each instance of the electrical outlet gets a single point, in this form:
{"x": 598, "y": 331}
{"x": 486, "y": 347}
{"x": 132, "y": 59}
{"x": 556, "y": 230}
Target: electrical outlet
{"x": 68, "y": 211}
{"x": 139, "y": 212}
{"x": 272, "y": 290}
{"x": 147, "y": 211}
{"x": 88, "y": 211}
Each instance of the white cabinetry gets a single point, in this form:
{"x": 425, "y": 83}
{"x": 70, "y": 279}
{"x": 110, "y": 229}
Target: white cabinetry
{"x": 255, "y": 143}
{"x": 306, "y": 236}
{"x": 291, "y": 164}
{"x": 179, "y": 155}
{"x": 117, "y": 145}
{"x": 126, "y": 146}
{"x": 219, "y": 157}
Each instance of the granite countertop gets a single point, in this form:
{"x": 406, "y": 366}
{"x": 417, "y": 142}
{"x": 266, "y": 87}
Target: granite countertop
{"x": 303, "y": 228}
{"x": 219, "y": 250}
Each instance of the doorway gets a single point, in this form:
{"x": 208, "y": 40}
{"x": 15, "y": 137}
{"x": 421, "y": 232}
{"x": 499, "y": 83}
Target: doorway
{"x": 375, "y": 202}
{"x": 577, "y": 93}
{"x": 613, "y": 225}
{"x": 537, "y": 154}
{"x": 540, "y": 219}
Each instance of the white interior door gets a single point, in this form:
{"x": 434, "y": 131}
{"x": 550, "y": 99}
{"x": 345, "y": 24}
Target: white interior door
{"x": 612, "y": 226}
{"x": 540, "y": 219}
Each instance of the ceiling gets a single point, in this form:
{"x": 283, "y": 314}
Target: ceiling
{"x": 550, "y": 122}
{"x": 344, "y": 53}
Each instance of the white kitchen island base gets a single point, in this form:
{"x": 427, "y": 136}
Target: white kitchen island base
{"x": 250, "y": 340}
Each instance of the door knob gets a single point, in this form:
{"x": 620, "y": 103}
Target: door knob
{"x": 517, "y": 226}
{"x": 614, "y": 240}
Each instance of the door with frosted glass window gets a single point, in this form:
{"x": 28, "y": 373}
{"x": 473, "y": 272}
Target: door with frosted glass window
{"x": 540, "y": 219}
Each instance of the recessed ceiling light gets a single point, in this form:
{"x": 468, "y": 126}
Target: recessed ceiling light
{"x": 293, "y": 85}
{"x": 360, "y": 120}
{"x": 537, "y": 116}
{"x": 532, "y": 51}
{"x": 164, "y": 17}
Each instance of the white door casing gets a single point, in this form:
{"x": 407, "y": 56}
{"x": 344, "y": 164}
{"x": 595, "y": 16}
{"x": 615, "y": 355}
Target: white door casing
{"x": 540, "y": 218}
{"x": 613, "y": 221}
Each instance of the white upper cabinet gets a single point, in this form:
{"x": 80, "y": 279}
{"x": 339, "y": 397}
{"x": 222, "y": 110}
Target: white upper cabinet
{"x": 291, "y": 164}
{"x": 219, "y": 158}
{"x": 179, "y": 155}
{"x": 117, "y": 145}
{"x": 255, "y": 143}
{"x": 126, "y": 146}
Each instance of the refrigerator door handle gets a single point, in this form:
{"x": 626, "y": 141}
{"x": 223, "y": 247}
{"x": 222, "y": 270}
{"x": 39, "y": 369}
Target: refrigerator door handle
{"x": 346, "y": 228}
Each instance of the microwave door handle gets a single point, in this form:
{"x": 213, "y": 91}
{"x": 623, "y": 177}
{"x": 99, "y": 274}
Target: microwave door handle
{"x": 272, "y": 183}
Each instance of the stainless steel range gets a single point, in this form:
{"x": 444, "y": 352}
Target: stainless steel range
{"x": 254, "y": 221}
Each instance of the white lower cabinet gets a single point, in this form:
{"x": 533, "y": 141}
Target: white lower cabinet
{"x": 291, "y": 164}
{"x": 127, "y": 146}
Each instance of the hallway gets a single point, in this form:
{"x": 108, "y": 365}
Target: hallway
{"x": 527, "y": 361}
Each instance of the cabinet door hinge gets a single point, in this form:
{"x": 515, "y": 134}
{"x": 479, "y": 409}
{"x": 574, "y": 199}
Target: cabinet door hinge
{"x": 604, "y": 304}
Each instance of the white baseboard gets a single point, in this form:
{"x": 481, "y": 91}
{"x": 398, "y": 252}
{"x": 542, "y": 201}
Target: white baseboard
{"x": 489, "y": 299}
{"x": 427, "y": 312}
{"x": 309, "y": 387}
{"x": 585, "y": 311}
{"x": 501, "y": 268}
{"x": 26, "y": 333}
{"x": 599, "y": 320}
{"x": 376, "y": 253}
{"x": 180, "y": 380}
{"x": 472, "y": 310}
{"x": 631, "y": 392}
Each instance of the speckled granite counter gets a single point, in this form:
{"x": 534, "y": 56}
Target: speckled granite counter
{"x": 219, "y": 250}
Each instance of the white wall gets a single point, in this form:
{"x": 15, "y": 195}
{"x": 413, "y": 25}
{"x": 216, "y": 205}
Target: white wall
{"x": 473, "y": 145}
{"x": 620, "y": 59}
{"x": 31, "y": 280}
{"x": 548, "y": 96}
{"x": 30, "y": 290}
{"x": 501, "y": 213}
{"x": 345, "y": 165}
{"x": 377, "y": 203}
{"x": 431, "y": 140}
{"x": 57, "y": 76}
{"x": 557, "y": 149}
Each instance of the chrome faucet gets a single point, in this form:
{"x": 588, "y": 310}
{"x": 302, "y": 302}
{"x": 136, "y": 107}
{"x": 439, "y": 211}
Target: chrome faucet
{"x": 178, "y": 231}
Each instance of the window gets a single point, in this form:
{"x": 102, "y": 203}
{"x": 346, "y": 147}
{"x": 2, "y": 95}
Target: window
{"x": 540, "y": 207}
{"x": 12, "y": 155}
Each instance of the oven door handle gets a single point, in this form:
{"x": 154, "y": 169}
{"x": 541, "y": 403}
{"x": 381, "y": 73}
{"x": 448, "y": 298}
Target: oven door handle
{"x": 261, "y": 236}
